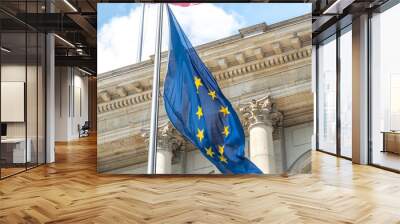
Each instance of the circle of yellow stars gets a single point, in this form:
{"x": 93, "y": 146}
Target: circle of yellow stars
{"x": 200, "y": 132}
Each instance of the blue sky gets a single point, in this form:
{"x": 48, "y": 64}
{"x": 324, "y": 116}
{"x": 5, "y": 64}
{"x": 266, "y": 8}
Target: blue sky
{"x": 106, "y": 11}
{"x": 118, "y": 26}
{"x": 252, "y": 13}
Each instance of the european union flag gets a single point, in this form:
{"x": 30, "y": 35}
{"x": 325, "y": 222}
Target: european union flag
{"x": 197, "y": 108}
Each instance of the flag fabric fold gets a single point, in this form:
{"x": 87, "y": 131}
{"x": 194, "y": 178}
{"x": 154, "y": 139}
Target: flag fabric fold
{"x": 198, "y": 109}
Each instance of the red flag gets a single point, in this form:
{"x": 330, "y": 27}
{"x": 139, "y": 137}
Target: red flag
{"x": 184, "y": 4}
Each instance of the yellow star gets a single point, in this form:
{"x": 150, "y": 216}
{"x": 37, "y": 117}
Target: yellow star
{"x": 221, "y": 149}
{"x": 212, "y": 94}
{"x": 224, "y": 110}
{"x": 223, "y": 159}
{"x": 226, "y": 131}
{"x": 200, "y": 134}
{"x": 210, "y": 152}
{"x": 199, "y": 112}
{"x": 197, "y": 82}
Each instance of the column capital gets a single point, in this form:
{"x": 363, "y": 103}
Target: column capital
{"x": 168, "y": 137}
{"x": 261, "y": 111}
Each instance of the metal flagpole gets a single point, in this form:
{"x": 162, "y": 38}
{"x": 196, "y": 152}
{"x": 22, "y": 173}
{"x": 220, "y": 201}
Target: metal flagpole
{"x": 140, "y": 40}
{"x": 151, "y": 166}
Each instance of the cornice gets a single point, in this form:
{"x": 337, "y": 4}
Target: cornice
{"x": 229, "y": 73}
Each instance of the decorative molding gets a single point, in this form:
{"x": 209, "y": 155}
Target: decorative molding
{"x": 295, "y": 42}
{"x": 261, "y": 111}
{"x": 168, "y": 138}
{"x": 240, "y": 58}
{"x": 237, "y": 71}
{"x": 121, "y": 91}
{"x": 105, "y": 96}
{"x": 259, "y": 53}
{"x": 222, "y": 63}
{"x": 269, "y": 62}
{"x": 253, "y": 30}
{"x": 277, "y": 48}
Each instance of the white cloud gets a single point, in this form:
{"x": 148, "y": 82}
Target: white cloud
{"x": 117, "y": 40}
{"x": 206, "y": 22}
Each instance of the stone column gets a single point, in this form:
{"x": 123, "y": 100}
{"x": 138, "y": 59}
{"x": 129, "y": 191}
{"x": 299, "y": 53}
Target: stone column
{"x": 164, "y": 160}
{"x": 168, "y": 143}
{"x": 260, "y": 118}
{"x": 50, "y": 92}
{"x": 359, "y": 95}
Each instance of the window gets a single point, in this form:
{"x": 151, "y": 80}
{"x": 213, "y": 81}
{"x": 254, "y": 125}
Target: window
{"x": 385, "y": 89}
{"x": 346, "y": 92}
{"x": 327, "y": 95}
{"x": 22, "y": 77}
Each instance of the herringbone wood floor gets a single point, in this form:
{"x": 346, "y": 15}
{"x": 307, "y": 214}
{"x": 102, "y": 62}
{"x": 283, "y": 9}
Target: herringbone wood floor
{"x": 70, "y": 191}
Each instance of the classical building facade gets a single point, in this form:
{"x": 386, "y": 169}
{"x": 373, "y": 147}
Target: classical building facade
{"x": 264, "y": 70}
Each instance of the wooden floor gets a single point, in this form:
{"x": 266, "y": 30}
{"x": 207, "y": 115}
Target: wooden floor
{"x": 70, "y": 191}
{"x": 5, "y": 172}
{"x": 386, "y": 159}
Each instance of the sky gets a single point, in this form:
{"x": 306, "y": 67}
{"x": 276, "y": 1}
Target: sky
{"x": 118, "y": 26}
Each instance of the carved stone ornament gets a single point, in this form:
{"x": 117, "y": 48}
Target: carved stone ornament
{"x": 168, "y": 137}
{"x": 261, "y": 111}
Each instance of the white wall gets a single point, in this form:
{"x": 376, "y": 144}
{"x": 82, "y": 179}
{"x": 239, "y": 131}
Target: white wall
{"x": 62, "y": 81}
{"x": 80, "y": 97}
{"x": 14, "y": 73}
{"x": 71, "y": 87}
{"x": 33, "y": 126}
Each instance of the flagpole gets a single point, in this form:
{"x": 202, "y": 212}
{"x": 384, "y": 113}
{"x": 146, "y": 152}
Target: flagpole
{"x": 140, "y": 39}
{"x": 151, "y": 166}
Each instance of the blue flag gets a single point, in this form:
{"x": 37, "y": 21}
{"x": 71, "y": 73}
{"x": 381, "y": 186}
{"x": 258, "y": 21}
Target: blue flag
{"x": 197, "y": 108}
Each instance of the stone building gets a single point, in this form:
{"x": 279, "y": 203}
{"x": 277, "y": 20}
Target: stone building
{"x": 264, "y": 70}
